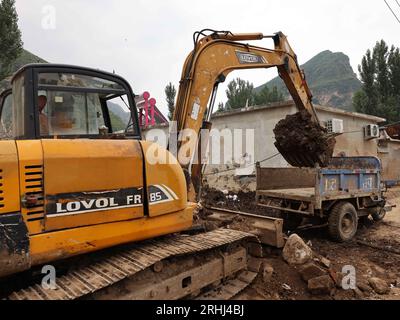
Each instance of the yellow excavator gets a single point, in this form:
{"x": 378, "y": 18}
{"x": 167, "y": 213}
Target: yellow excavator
{"x": 72, "y": 183}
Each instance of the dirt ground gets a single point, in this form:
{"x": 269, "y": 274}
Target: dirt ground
{"x": 286, "y": 282}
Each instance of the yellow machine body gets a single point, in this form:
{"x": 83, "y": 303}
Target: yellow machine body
{"x": 89, "y": 196}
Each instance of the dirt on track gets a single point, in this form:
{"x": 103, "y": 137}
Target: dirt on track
{"x": 303, "y": 142}
{"x": 286, "y": 282}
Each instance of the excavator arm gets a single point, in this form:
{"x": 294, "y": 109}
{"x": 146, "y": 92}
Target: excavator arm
{"x": 212, "y": 59}
{"x": 217, "y": 55}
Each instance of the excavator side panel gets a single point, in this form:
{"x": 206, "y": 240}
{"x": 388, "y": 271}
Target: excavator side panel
{"x": 31, "y": 184}
{"x": 89, "y": 182}
{"x": 56, "y": 245}
{"x": 166, "y": 184}
{"x": 9, "y": 189}
{"x": 14, "y": 240}
{"x": 81, "y": 176}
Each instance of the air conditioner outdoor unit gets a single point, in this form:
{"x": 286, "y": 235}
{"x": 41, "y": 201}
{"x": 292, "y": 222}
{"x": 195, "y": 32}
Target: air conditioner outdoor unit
{"x": 334, "y": 126}
{"x": 371, "y": 131}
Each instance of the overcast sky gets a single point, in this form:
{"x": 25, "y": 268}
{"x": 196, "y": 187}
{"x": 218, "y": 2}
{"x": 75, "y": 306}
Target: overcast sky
{"x": 146, "y": 41}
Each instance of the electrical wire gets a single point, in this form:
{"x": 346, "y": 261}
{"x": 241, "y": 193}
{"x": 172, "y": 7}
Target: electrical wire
{"x": 390, "y": 8}
{"x": 248, "y": 166}
{"x": 267, "y": 159}
{"x": 356, "y": 131}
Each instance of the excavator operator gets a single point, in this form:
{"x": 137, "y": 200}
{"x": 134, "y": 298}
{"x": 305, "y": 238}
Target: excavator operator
{"x": 43, "y": 119}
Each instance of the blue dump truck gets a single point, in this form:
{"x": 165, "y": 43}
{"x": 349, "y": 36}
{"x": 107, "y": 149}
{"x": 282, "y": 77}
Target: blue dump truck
{"x": 339, "y": 196}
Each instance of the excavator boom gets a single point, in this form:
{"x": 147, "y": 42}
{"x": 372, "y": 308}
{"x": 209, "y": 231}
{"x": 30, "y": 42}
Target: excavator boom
{"x": 214, "y": 57}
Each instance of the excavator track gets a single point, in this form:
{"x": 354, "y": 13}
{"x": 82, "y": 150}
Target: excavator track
{"x": 124, "y": 264}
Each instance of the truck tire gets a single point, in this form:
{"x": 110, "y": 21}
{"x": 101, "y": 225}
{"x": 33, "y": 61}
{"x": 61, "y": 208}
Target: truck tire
{"x": 343, "y": 222}
{"x": 378, "y": 214}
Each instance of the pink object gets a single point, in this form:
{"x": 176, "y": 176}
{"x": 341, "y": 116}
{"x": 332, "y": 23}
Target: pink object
{"x": 146, "y": 110}
{"x": 152, "y": 102}
{"x": 149, "y": 117}
{"x": 146, "y": 95}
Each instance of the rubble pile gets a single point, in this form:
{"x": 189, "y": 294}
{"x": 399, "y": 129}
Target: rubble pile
{"x": 321, "y": 278}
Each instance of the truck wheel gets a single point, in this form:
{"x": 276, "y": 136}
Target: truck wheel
{"x": 379, "y": 214}
{"x": 343, "y": 222}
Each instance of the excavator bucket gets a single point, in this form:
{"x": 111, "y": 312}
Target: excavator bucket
{"x": 304, "y": 142}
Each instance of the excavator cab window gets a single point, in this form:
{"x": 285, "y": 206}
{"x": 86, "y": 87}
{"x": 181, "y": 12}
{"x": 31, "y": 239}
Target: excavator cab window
{"x": 74, "y": 104}
{"x": 120, "y": 114}
{"x": 6, "y": 116}
{"x": 12, "y": 111}
{"x": 69, "y": 113}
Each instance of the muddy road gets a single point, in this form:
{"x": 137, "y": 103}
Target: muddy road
{"x": 285, "y": 281}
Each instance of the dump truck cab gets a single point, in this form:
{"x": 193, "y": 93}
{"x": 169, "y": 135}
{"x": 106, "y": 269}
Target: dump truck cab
{"x": 74, "y": 174}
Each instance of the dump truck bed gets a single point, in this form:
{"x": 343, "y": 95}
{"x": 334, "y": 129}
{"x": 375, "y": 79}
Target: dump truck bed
{"x": 346, "y": 177}
{"x": 307, "y": 194}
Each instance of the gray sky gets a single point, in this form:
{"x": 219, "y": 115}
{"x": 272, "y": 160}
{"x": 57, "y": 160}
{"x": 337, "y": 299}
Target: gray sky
{"x": 146, "y": 41}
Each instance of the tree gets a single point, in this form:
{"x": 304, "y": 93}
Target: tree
{"x": 170, "y": 93}
{"x": 380, "y": 77}
{"x": 221, "y": 107}
{"x": 394, "y": 76}
{"x": 10, "y": 37}
{"x": 266, "y": 96}
{"x": 367, "y": 74}
{"x": 380, "y": 55}
{"x": 240, "y": 93}
{"x": 276, "y": 95}
{"x": 263, "y": 96}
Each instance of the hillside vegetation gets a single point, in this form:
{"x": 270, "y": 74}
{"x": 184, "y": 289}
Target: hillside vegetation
{"x": 330, "y": 77}
{"x": 24, "y": 58}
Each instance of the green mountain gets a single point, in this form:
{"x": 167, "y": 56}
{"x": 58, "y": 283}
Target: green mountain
{"x": 25, "y": 58}
{"x": 119, "y": 117}
{"x": 331, "y": 79}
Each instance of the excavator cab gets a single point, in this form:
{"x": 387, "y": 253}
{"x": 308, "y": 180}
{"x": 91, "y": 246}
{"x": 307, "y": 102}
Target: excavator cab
{"x": 63, "y": 101}
{"x": 75, "y": 176}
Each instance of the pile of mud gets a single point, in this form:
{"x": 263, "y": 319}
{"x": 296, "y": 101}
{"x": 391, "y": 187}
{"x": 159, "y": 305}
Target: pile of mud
{"x": 303, "y": 142}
